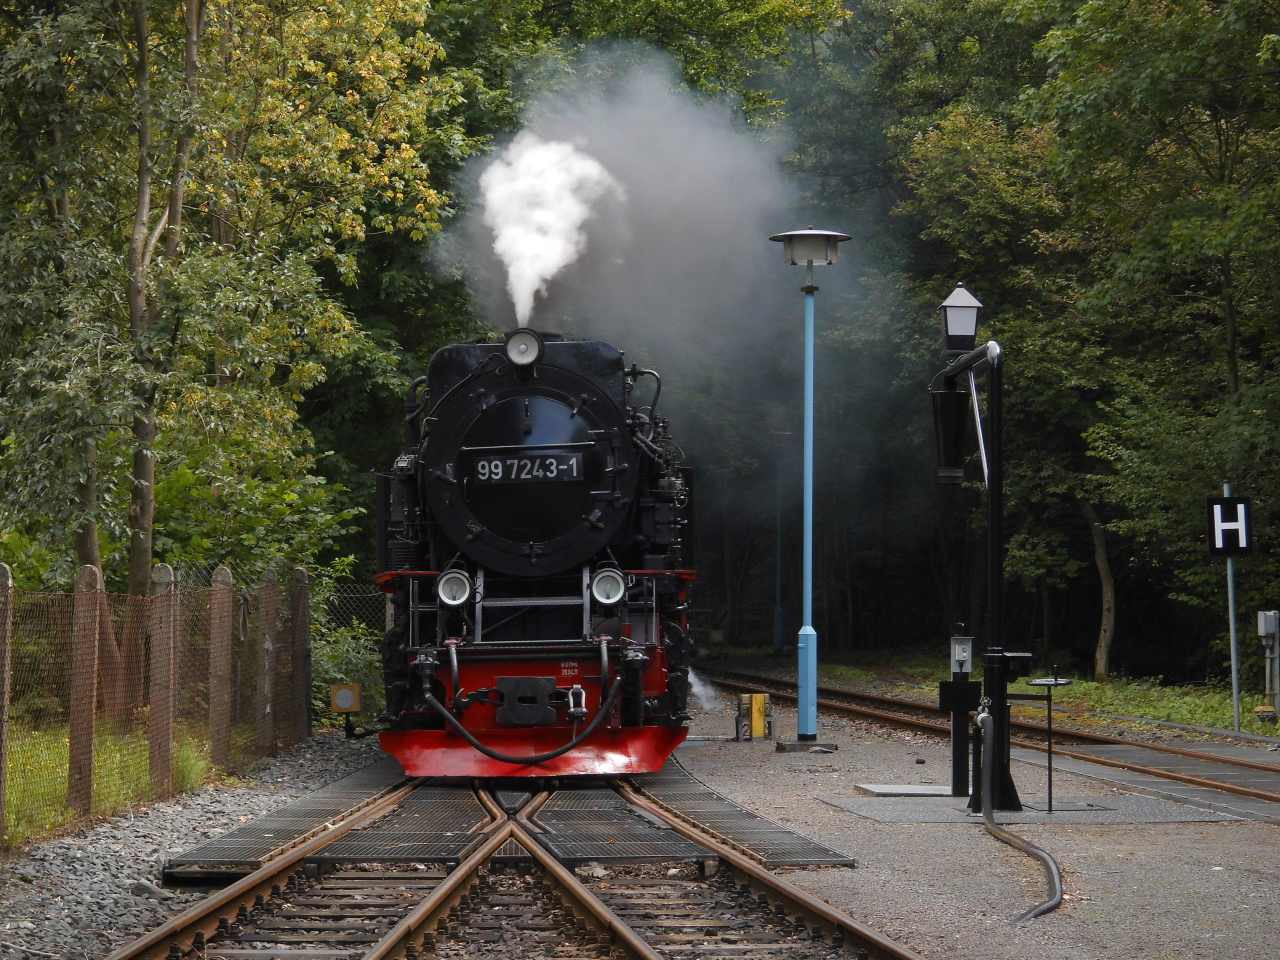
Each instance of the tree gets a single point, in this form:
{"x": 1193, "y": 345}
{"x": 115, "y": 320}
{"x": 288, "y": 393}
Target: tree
{"x": 198, "y": 325}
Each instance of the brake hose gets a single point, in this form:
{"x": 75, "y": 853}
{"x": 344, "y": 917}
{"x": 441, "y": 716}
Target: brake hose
{"x": 492, "y": 754}
{"x": 987, "y": 723}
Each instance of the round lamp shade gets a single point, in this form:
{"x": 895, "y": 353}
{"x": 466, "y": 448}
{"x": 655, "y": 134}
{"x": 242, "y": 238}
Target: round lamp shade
{"x": 810, "y": 246}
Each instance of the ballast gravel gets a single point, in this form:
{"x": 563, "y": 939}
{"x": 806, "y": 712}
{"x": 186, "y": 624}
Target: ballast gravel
{"x": 1133, "y": 891}
{"x": 83, "y": 895}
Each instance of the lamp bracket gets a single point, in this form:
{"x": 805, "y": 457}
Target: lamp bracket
{"x": 977, "y": 423}
{"x": 809, "y": 288}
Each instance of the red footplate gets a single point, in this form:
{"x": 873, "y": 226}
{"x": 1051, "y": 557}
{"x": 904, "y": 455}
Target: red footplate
{"x": 441, "y": 753}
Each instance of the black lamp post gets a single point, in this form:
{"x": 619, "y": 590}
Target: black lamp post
{"x": 954, "y": 393}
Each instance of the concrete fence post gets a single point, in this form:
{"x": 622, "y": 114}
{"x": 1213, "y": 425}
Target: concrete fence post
{"x": 164, "y": 632}
{"x": 84, "y": 689}
{"x": 6, "y": 644}
{"x": 221, "y": 623}
{"x": 268, "y": 624}
{"x": 300, "y": 657}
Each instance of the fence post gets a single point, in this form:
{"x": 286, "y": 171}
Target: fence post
{"x": 268, "y": 623}
{"x": 6, "y": 640}
{"x": 221, "y": 614}
{"x": 84, "y": 689}
{"x": 300, "y": 657}
{"x": 164, "y": 604}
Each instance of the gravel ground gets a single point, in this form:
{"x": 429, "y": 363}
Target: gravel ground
{"x": 1200, "y": 890}
{"x": 82, "y": 895}
{"x": 1203, "y": 890}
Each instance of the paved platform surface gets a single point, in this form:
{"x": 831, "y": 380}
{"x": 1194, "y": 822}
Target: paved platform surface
{"x": 1205, "y": 798}
{"x": 1133, "y": 891}
{"x": 905, "y": 789}
{"x": 1127, "y": 808}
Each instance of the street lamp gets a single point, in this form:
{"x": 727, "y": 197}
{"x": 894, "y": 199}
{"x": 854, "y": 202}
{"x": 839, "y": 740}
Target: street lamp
{"x": 808, "y": 247}
{"x": 960, "y": 320}
{"x": 950, "y": 400}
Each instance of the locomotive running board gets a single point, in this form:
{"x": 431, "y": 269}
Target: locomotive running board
{"x": 440, "y": 753}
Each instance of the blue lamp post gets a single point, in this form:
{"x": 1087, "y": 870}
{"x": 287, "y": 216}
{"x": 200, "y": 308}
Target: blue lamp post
{"x": 780, "y": 438}
{"x": 808, "y": 247}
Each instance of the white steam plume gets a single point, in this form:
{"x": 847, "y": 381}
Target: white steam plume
{"x": 537, "y": 199}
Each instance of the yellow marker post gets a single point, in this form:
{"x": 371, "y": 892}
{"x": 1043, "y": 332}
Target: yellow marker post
{"x": 758, "y": 701}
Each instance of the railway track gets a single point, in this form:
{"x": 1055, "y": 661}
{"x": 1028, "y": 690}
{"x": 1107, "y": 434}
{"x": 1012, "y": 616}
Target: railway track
{"x": 722, "y": 906}
{"x": 913, "y": 715}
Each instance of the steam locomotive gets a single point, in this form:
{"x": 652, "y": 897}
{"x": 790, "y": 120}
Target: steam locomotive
{"x": 531, "y": 538}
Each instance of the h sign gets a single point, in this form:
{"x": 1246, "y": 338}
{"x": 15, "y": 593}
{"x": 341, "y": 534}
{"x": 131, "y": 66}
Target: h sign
{"x": 1230, "y": 533}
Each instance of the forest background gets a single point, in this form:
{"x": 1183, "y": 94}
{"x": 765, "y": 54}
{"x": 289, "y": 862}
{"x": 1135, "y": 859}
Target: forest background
{"x": 217, "y": 221}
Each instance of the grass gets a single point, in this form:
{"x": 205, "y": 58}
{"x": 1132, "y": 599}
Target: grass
{"x": 918, "y": 672}
{"x": 36, "y": 787}
{"x": 1199, "y": 705}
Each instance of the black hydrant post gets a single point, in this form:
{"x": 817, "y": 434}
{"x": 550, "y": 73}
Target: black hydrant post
{"x": 959, "y": 696}
{"x": 1000, "y": 668}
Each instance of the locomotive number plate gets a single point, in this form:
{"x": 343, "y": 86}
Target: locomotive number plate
{"x": 525, "y": 469}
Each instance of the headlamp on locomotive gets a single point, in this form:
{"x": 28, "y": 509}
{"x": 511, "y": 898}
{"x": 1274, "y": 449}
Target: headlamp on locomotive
{"x": 531, "y": 540}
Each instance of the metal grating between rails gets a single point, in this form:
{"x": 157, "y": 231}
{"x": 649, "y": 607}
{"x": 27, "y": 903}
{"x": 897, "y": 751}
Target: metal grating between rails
{"x": 583, "y": 825}
{"x": 433, "y": 824}
{"x": 772, "y": 844}
{"x": 512, "y": 800}
{"x": 512, "y": 852}
{"x": 249, "y": 846}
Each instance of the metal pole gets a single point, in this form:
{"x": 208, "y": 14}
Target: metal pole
{"x": 1275, "y": 660}
{"x": 1049, "y": 724}
{"x": 995, "y": 507}
{"x": 807, "y": 643}
{"x": 777, "y": 560}
{"x": 959, "y": 748}
{"x": 1231, "y": 609}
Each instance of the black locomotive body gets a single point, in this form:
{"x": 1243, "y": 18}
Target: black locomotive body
{"x": 531, "y": 539}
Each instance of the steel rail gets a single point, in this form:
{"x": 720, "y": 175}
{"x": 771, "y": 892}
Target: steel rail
{"x": 828, "y": 917}
{"x": 1030, "y": 725}
{"x": 449, "y": 892}
{"x": 916, "y": 724}
{"x": 527, "y": 837}
{"x": 203, "y": 917}
{"x": 570, "y": 886}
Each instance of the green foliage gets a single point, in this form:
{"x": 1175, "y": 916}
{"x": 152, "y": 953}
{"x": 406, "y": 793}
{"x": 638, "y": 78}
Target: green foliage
{"x": 36, "y": 788}
{"x": 1204, "y": 706}
{"x": 723, "y": 46}
{"x": 343, "y": 649}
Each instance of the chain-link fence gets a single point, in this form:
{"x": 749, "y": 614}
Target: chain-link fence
{"x": 350, "y": 622}
{"x": 107, "y": 701}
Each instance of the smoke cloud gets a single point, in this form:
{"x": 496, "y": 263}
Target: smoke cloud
{"x": 537, "y": 197}
{"x": 681, "y": 275}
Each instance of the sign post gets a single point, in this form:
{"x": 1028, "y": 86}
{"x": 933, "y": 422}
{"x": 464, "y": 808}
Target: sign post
{"x": 1230, "y": 535}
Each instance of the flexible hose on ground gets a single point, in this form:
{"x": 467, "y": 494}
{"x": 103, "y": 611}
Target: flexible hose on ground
{"x": 1052, "y": 873}
{"x": 492, "y": 754}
